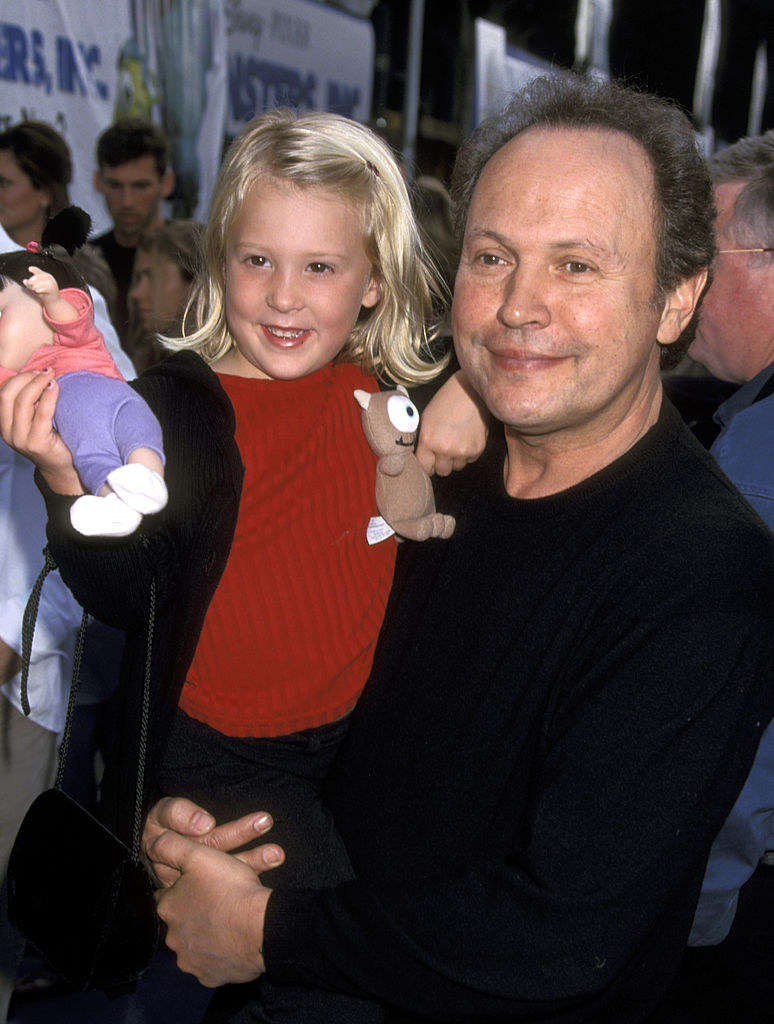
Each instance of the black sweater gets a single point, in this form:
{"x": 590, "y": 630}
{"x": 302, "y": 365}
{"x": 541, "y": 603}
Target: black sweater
{"x": 566, "y": 698}
{"x": 184, "y": 549}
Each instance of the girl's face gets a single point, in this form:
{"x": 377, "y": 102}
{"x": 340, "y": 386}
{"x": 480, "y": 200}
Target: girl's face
{"x": 159, "y": 291}
{"x": 297, "y": 276}
{"x": 23, "y": 208}
{"x": 22, "y": 327}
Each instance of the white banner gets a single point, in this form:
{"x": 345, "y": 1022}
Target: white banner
{"x": 199, "y": 68}
{"x": 58, "y": 64}
{"x": 297, "y": 54}
{"x": 500, "y": 70}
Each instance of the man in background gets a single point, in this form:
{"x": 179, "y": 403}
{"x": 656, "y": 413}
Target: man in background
{"x": 730, "y": 975}
{"x": 134, "y": 176}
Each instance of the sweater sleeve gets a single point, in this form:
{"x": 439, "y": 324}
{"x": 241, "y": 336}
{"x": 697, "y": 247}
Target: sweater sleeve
{"x": 110, "y": 578}
{"x": 640, "y": 762}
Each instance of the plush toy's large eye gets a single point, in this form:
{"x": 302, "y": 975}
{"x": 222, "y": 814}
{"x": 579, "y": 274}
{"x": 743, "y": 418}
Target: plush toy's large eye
{"x": 403, "y": 415}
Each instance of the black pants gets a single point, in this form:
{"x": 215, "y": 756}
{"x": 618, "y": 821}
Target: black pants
{"x": 232, "y": 776}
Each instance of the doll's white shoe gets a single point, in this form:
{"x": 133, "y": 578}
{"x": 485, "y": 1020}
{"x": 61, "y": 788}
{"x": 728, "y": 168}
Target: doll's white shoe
{"x": 139, "y": 487}
{"x": 107, "y": 516}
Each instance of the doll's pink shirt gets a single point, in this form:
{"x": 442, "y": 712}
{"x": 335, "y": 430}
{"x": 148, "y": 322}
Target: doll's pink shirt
{"x": 78, "y": 345}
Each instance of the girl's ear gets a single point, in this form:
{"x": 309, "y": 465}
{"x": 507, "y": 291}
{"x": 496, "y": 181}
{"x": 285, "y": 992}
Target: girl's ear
{"x": 373, "y": 292}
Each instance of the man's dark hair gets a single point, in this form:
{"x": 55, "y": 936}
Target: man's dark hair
{"x": 44, "y": 156}
{"x": 685, "y": 240}
{"x": 129, "y": 139}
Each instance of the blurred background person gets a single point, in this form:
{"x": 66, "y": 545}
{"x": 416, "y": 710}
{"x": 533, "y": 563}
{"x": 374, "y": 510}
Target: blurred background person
{"x": 166, "y": 265}
{"x": 35, "y": 172}
{"x": 133, "y": 176}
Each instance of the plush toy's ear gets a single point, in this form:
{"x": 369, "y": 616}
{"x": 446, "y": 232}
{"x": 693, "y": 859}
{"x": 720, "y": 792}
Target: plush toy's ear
{"x": 363, "y": 398}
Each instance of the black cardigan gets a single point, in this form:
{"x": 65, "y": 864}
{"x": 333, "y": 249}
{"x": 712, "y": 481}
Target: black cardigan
{"x": 184, "y": 548}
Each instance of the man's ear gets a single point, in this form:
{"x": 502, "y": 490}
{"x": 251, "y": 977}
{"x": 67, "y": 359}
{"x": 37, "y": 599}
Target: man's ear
{"x": 98, "y": 182}
{"x": 167, "y": 183}
{"x": 679, "y": 306}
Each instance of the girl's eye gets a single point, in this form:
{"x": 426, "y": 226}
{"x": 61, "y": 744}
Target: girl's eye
{"x": 319, "y": 268}
{"x": 490, "y": 260}
{"x": 257, "y": 261}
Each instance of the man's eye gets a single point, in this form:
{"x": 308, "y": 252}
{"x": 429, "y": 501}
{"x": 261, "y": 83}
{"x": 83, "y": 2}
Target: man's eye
{"x": 576, "y": 267}
{"x": 490, "y": 260}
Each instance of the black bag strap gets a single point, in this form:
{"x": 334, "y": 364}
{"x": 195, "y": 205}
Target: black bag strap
{"x": 28, "y": 631}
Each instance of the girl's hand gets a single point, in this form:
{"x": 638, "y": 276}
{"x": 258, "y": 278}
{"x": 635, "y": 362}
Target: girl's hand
{"x": 27, "y": 403}
{"x": 453, "y": 428}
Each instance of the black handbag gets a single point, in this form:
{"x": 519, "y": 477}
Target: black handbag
{"x": 77, "y": 893}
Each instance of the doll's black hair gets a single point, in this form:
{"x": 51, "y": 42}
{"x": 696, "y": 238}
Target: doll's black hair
{"x": 64, "y": 233}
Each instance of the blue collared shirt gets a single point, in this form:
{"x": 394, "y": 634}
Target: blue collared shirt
{"x": 744, "y": 450}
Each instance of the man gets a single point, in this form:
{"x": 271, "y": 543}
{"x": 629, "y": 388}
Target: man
{"x": 735, "y": 341}
{"x": 568, "y": 693}
{"x": 134, "y": 177}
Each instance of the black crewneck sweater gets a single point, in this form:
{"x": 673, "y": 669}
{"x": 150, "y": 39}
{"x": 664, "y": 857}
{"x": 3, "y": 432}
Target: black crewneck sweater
{"x": 565, "y": 701}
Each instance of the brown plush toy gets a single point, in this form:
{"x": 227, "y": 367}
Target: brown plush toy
{"x": 404, "y": 493}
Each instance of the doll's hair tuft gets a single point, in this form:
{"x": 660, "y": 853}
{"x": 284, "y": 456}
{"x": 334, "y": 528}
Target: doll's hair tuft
{"x": 63, "y": 234}
{"x": 324, "y": 151}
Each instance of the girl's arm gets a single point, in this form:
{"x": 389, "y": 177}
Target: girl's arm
{"x": 45, "y": 286}
{"x": 454, "y": 427}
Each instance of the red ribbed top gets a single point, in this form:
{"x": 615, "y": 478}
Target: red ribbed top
{"x": 288, "y": 639}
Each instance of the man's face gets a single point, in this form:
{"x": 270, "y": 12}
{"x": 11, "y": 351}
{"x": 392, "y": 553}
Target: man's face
{"x": 133, "y": 192}
{"x": 735, "y": 333}
{"x": 554, "y": 319}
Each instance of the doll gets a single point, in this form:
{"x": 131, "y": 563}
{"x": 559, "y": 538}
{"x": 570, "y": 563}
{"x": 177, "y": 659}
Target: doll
{"x": 404, "y": 492}
{"x": 47, "y": 321}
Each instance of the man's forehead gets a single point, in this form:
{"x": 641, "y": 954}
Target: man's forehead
{"x": 139, "y": 171}
{"x": 586, "y": 149}
{"x": 584, "y": 178}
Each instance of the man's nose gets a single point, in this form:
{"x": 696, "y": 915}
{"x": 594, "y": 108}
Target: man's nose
{"x": 525, "y": 298}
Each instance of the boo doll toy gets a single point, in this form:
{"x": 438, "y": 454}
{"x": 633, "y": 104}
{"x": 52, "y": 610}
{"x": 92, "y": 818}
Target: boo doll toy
{"x": 47, "y": 322}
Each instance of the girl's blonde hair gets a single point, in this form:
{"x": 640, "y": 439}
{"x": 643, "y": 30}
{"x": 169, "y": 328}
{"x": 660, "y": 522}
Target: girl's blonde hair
{"x": 326, "y": 151}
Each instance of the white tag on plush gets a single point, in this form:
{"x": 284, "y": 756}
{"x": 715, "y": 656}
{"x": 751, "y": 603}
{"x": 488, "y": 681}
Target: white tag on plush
{"x": 378, "y": 530}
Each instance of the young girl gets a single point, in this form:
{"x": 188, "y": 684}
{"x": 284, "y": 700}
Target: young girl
{"x": 268, "y": 599}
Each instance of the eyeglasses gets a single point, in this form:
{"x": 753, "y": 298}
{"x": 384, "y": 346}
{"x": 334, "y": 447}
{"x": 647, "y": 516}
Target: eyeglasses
{"x": 726, "y": 252}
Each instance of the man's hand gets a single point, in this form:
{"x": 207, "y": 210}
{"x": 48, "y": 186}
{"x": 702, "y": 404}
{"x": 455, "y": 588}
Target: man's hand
{"x": 214, "y": 912}
{"x": 176, "y": 814}
{"x": 27, "y": 403}
{"x": 453, "y": 428}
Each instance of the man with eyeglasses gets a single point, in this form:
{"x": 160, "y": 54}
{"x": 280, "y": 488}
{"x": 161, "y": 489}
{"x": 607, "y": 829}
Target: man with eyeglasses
{"x": 735, "y": 341}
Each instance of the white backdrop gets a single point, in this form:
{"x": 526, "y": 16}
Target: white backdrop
{"x": 200, "y": 68}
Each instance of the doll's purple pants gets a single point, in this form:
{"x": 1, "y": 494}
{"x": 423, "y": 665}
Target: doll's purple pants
{"x": 102, "y": 421}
